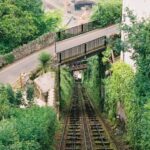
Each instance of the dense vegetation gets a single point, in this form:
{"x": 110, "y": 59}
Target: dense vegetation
{"x": 131, "y": 89}
{"x": 139, "y": 128}
{"x": 92, "y": 79}
{"x": 23, "y": 21}
{"x": 107, "y": 12}
{"x": 31, "y": 128}
{"x": 66, "y": 88}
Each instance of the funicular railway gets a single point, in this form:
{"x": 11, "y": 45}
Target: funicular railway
{"x": 83, "y": 128}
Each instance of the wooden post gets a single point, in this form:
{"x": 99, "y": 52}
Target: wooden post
{"x": 59, "y": 91}
{"x": 82, "y": 29}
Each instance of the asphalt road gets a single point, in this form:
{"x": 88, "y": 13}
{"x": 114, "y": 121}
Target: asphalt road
{"x": 10, "y": 73}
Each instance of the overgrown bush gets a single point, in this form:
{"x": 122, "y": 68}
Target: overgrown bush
{"x": 138, "y": 132}
{"x": 107, "y": 12}
{"x": 119, "y": 88}
{"x": 29, "y": 129}
{"x": 92, "y": 79}
{"x": 30, "y": 92}
{"x": 9, "y": 58}
{"x": 45, "y": 59}
{"x": 4, "y": 103}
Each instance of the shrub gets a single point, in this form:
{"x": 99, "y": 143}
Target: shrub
{"x": 107, "y": 12}
{"x": 28, "y": 129}
{"x": 30, "y": 92}
{"x": 9, "y": 58}
{"x": 44, "y": 59}
{"x": 119, "y": 88}
{"x": 36, "y": 124}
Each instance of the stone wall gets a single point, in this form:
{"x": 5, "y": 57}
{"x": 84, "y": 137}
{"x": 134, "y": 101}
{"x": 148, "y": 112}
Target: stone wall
{"x": 27, "y": 49}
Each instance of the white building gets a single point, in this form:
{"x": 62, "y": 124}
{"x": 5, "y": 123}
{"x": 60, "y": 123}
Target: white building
{"x": 140, "y": 8}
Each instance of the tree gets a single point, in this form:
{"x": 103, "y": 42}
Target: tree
{"x": 10, "y": 94}
{"x": 45, "y": 59}
{"x": 4, "y": 103}
{"x": 27, "y": 129}
{"x": 16, "y": 27}
{"x": 107, "y": 12}
{"x": 23, "y": 21}
{"x": 19, "y": 98}
{"x": 30, "y": 93}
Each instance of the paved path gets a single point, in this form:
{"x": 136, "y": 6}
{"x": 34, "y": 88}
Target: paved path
{"x": 10, "y": 73}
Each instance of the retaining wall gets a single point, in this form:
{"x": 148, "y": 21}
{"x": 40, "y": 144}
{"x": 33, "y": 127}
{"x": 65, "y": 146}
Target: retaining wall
{"x": 27, "y": 49}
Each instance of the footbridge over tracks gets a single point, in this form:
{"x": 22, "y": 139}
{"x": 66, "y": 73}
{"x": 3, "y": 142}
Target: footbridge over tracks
{"x": 82, "y": 41}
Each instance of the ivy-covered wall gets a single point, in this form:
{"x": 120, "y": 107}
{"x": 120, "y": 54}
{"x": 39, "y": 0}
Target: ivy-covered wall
{"x": 91, "y": 79}
{"x": 66, "y": 85}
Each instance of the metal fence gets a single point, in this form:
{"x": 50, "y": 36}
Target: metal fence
{"x": 81, "y": 50}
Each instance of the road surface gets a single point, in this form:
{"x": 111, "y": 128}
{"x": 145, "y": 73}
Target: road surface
{"x": 10, "y": 73}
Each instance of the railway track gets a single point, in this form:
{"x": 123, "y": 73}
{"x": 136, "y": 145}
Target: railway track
{"x": 83, "y": 129}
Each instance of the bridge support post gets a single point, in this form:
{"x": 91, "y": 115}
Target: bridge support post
{"x": 58, "y": 93}
{"x": 59, "y": 35}
{"x": 101, "y": 77}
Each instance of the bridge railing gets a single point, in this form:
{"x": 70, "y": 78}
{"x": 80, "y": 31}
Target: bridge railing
{"x": 77, "y": 30}
{"x": 81, "y": 50}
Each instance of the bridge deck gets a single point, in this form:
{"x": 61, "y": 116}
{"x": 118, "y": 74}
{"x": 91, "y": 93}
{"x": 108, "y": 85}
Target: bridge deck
{"x": 86, "y": 37}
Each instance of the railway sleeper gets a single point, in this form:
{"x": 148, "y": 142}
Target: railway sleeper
{"x": 76, "y": 148}
{"x": 74, "y": 127}
{"x": 97, "y": 138}
{"x": 102, "y": 143}
{"x": 98, "y": 127}
{"x": 74, "y": 144}
{"x": 97, "y": 131}
{"x": 74, "y": 131}
{"x": 73, "y": 138}
{"x": 104, "y": 148}
{"x": 72, "y": 134}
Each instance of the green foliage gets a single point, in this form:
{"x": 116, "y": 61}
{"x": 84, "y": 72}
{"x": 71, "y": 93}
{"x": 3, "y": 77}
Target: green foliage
{"x": 31, "y": 128}
{"x": 107, "y": 54}
{"x": 4, "y": 103}
{"x": 9, "y": 58}
{"x": 45, "y": 59}
{"x": 30, "y": 92}
{"x": 10, "y": 94}
{"x": 137, "y": 134}
{"x": 66, "y": 84}
{"x": 107, "y": 12}
{"x": 118, "y": 88}
{"x": 53, "y": 20}
{"x": 19, "y": 98}
{"x": 92, "y": 79}
{"x": 145, "y": 143}
{"x": 9, "y": 138}
{"x": 23, "y": 21}
{"x": 28, "y": 129}
{"x": 39, "y": 125}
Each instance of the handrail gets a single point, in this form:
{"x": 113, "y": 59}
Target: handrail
{"x": 79, "y": 29}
